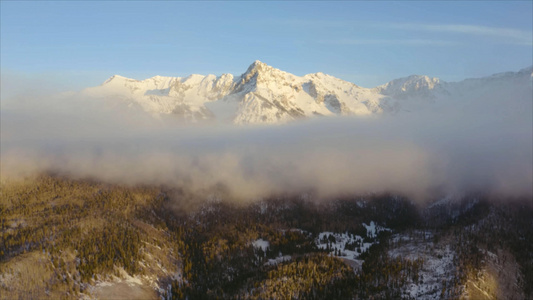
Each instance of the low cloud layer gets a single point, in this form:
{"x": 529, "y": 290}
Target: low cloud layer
{"x": 417, "y": 155}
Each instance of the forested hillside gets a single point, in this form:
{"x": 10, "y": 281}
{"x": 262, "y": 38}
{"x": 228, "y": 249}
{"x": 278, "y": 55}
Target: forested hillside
{"x": 63, "y": 238}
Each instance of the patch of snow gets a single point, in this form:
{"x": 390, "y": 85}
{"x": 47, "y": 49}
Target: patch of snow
{"x": 260, "y": 243}
{"x": 339, "y": 243}
{"x": 438, "y": 263}
{"x": 372, "y": 230}
{"x": 277, "y": 260}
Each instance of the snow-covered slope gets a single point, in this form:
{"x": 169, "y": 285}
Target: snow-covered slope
{"x": 183, "y": 97}
{"x": 264, "y": 94}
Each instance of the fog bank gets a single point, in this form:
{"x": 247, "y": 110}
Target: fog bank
{"x": 417, "y": 155}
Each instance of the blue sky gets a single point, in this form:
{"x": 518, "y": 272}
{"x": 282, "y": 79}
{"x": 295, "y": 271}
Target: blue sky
{"x": 368, "y": 43}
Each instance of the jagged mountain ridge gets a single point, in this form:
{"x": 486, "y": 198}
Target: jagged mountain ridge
{"x": 264, "y": 94}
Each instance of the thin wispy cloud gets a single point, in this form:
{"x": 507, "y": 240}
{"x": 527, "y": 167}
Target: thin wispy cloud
{"x": 502, "y": 35}
{"x": 401, "y": 42}
{"x": 312, "y": 23}
{"x": 507, "y": 35}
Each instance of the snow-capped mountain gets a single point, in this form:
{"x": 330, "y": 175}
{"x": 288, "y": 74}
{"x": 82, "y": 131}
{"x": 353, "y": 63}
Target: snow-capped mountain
{"x": 264, "y": 94}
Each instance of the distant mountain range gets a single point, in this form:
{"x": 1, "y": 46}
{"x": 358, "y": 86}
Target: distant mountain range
{"x": 264, "y": 94}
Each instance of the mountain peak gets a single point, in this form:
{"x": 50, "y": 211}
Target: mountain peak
{"x": 527, "y": 70}
{"x": 416, "y": 80}
{"x": 115, "y": 78}
{"x": 413, "y": 84}
{"x": 256, "y": 67}
{"x": 258, "y": 62}
{"x": 258, "y": 70}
